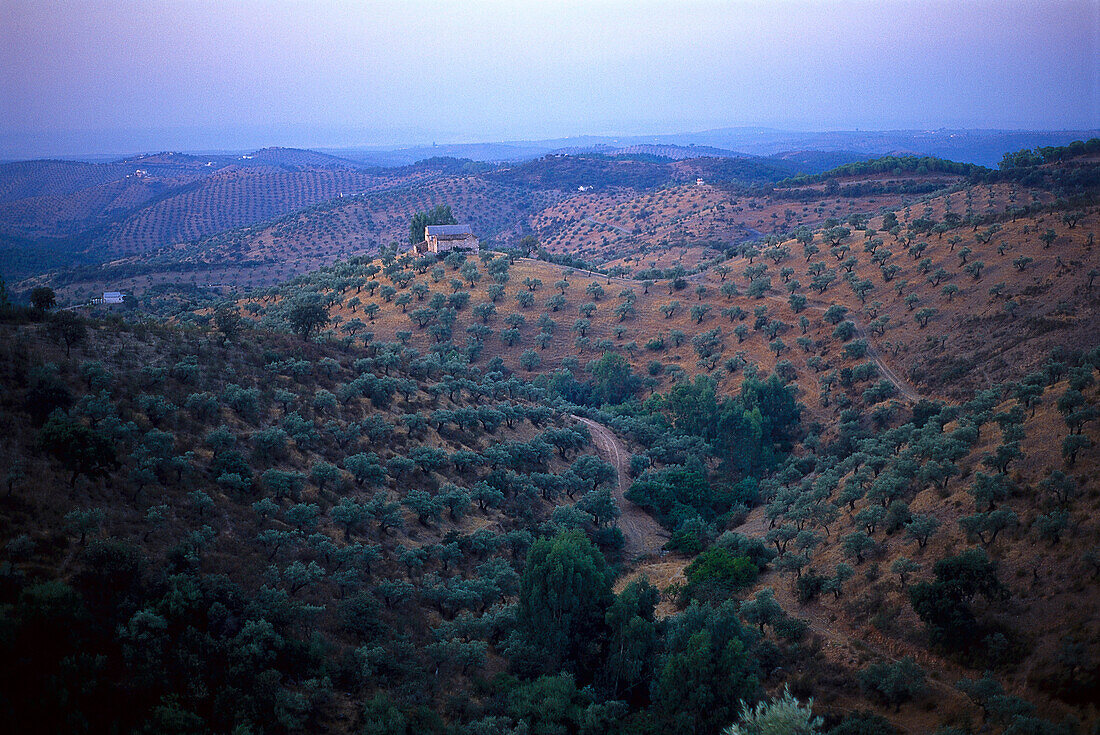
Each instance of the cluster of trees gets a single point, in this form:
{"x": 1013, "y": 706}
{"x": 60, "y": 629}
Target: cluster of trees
{"x": 687, "y": 427}
{"x": 888, "y": 164}
{"x": 1049, "y": 154}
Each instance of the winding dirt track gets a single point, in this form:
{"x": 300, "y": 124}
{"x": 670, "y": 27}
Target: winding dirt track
{"x": 900, "y": 383}
{"x": 621, "y": 230}
{"x": 903, "y": 386}
{"x": 643, "y": 535}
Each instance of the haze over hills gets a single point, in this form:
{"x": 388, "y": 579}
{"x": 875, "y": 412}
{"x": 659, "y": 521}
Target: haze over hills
{"x": 828, "y": 433}
{"x": 981, "y": 146}
{"x": 984, "y": 147}
{"x": 588, "y": 367}
{"x": 157, "y": 205}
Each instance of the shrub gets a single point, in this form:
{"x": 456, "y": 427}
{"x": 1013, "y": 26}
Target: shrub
{"x": 717, "y": 573}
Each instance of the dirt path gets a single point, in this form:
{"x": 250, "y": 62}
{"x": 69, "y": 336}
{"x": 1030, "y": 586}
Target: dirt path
{"x": 620, "y": 230}
{"x": 900, "y": 383}
{"x": 644, "y": 536}
{"x": 583, "y": 272}
{"x": 903, "y": 386}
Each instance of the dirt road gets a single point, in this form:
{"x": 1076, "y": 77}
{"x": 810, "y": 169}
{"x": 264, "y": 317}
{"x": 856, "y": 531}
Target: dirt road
{"x": 644, "y": 536}
{"x": 903, "y": 386}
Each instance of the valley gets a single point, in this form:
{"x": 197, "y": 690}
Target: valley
{"x": 829, "y": 432}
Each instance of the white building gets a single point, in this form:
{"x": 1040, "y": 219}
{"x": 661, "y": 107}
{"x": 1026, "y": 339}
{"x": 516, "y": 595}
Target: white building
{"x": 113, "y": 297}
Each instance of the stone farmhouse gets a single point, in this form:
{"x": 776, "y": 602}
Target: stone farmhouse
{"x": 445, "y": 238}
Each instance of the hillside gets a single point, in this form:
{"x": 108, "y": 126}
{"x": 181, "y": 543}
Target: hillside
{"x": 613, "y": 223}
{"x": 151, "y": 215}
{"x": 272, "y": 484}
{"x": 831, "y": 434}
{"x": 141, "y": 205}
{"x": 910, "y": 337}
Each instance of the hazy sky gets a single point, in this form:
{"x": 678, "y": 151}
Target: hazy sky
{"x": 132, "y": 75}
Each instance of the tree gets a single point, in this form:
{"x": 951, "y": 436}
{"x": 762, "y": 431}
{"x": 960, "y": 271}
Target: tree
{"x": 79, "y": 449}
{"x": 67, "y": 328}
{"x": 365, "y": 468}
{"x": 986, "y": 526}
{"x": 903, "y": 567}
{"x": 783, "y": 715}
{"x": 43, "y": 298}
{"x": 348, "y": 514}
{"x": 706, "y": 645}
{"x": 845, "y": 331}
{"x": 893, "y": 683}
{"x": 325, "y": 474}
{"x": 530, "y": 360}
{"x": 564, "y": 595}
{"x": 438, "y": 215}
{"x": 307, "y": 312}
{"x": 227, "y": 319}
{"x": 1061, "y": 486}
{"x": 921, "y": 527}
{"x": 457, "y": 501}
{"x": 944, "y": 604}
{"x": 426, "y": 506}
{"x": 1072, "y": 445}
{"x": 593, "y": 470}
{"x": 1051, "y": 526}
{"x": 632, "y": 639}
{"x": 923, "y": 316}
{"x": 601, "y": 506}
{"x": 857, "y": 544}
{"x": 84, "y": 522}
{"x": 716, "y": 573}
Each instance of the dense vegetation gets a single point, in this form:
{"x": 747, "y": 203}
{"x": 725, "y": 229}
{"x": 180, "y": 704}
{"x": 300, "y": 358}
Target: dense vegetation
{"x": 894, "y": 165}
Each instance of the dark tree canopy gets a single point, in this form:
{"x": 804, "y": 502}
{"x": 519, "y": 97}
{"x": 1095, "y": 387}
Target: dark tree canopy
{"x": 437, "y": 215}
{"x": 80, "y": 450}
{"x": 564, "y": 593}
{"x": 43, "y": 298}
{"x": 306, "y": 313}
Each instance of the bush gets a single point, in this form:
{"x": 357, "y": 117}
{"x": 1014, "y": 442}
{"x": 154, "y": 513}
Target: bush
{"x": 782, "y": 716}
{"x": 893, "y": 683}
{"x": 716, "y": 574}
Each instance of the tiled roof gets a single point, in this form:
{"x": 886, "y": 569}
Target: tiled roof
{"x": 445, "y": 230}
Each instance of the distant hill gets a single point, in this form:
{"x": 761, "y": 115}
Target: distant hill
{"x": 812, "y": 162}
{"x": 25, "y": 179}
{"x": 143, "y": 203}
{"x": 298, "y": 158}
{"x": 984, "y": 147}
{"x": 487, "y": 152}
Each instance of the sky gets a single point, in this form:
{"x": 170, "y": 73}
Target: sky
{"x": 78, "y": 76}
